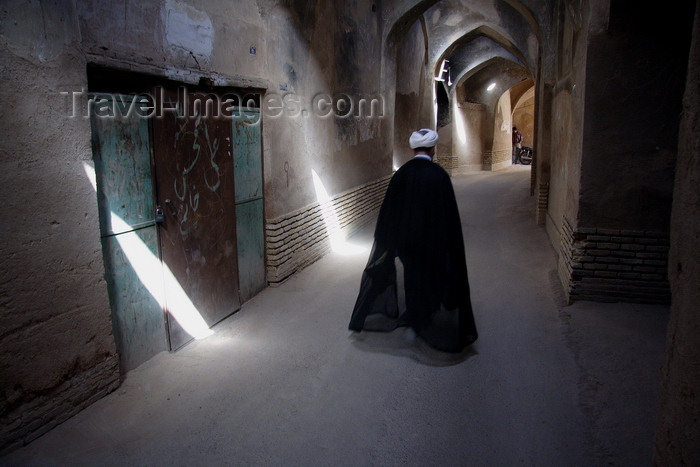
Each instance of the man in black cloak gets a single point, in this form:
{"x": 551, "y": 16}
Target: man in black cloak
{"x": 419, "y": 222}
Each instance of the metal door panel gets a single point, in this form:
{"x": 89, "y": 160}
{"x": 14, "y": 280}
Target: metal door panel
{"x": 251, "y": 248}
{"x": 137, "y": 317}
{"x": 125, "y": 200}
{"x": 195, "y": 186}
{"x": 123, "y": 170}
{"x": 247, "y": 155}
{"x": 249, "y": 202}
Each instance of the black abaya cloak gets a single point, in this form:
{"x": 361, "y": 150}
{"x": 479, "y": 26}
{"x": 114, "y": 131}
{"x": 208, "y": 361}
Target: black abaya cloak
{"x": 419, "y": 222}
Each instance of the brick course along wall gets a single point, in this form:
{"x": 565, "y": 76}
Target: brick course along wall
{"x": 487, "y": 161}
{"x": 31, "y": 419}
{"x": 615, "y": 265}
{"x": 447, "y": 161}
{"x": 300, "y": 238}
{"x": 542, "y": 203}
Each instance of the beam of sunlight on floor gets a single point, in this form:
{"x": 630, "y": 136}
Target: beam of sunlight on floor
{"x": 337, "y": 239}
{"x": 155, "y": 275}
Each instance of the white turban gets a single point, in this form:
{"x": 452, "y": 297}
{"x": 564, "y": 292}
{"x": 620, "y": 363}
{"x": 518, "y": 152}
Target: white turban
{"x": 424, "y": 138}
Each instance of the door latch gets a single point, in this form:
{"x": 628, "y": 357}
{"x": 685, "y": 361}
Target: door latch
{"x": 160, "y": 217}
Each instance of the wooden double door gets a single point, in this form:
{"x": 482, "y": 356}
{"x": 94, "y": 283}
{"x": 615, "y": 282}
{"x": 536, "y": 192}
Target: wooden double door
{"x": 179, "y": 256}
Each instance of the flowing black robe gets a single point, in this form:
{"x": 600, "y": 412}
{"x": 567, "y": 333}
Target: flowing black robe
{"x": 419, "y": 222}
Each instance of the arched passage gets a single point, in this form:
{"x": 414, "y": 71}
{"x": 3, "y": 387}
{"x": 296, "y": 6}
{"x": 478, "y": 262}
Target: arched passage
{"x": 447, "y": 55}
{"x": 481, "y": 104}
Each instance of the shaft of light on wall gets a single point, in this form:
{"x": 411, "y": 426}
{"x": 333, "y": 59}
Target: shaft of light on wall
{"x": 337, "y": 239}
{"x": 460, "y": 124}
{"x": 155, "y": 275}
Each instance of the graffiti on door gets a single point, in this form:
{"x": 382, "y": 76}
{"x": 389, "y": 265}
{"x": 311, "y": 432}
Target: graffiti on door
{"x": 195, "y": 185}
{"x": 189, "y": 182}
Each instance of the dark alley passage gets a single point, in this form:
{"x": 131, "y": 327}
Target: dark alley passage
{"x": 283, "y": 382}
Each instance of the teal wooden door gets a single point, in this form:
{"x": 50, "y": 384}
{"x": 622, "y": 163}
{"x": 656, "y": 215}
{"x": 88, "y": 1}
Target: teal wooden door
{"x": 247, "y": 157}
{"x": 122, "y": 160}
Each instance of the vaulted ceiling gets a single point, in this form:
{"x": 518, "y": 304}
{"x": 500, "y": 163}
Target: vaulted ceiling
{"x": 482, "y": 41}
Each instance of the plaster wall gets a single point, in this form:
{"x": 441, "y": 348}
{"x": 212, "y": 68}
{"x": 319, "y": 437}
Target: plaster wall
{"x": 325, "y": 51}
{"x": 629, "y": 140}
{"x": 678, "y": 426}
{"x": 467, "y": 136}
{"x": 292, "y": 146}
{"x": 362, "y": 150}
{"x": 444, "y": 155}
{"x": 524, "y": 118}
{"x": 410, "y": 91}
{"x": 177, "y": 38}
{"x": 57, "y": 351}
{"x": 565, "y": 164}
{"x": 564, "y": 122}
{"x": 501, "y": 151}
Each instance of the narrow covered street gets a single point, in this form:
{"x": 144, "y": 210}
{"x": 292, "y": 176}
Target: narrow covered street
{"x": 283, "y": 382}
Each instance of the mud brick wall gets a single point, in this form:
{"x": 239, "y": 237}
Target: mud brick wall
{"x": 447, "y": 161}
{"x": 615, "y": 265}
{"x": 31, "y": 418}
{"x": 487, "y": 161}
{"x": 297, "y": 239}
{"x": 542, "y": 200}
